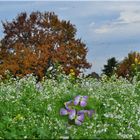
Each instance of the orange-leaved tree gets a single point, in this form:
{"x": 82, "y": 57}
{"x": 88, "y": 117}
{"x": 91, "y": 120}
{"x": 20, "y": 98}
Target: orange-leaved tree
{"x": 34, "y": 43}
{"x": 130, "y": 66}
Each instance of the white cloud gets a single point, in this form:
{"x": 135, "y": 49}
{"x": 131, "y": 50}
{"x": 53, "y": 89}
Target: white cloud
{"x": 102, "y": 29}
{"x": 127, "y": 17}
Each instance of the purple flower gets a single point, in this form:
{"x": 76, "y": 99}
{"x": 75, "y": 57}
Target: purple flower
{"x": 63, "y": 111}
{"x": 79, "y": 119}
{"x": 72, "y": 114}
{"x": 82, "y": 112}
{"x": 80, "y": 99}
{"x": 77, "y": 100}
{"x": 67, "y": 104}
{"x": 88, "y": 112}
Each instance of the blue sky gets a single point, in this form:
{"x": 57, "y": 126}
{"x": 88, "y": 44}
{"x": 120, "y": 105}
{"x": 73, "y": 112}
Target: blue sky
{"x": 109, "y": 29}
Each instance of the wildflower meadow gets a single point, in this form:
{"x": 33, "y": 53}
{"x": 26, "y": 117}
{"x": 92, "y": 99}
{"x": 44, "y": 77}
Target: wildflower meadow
{"x": 53, "y": 80}
{"x": 69, "y": 108}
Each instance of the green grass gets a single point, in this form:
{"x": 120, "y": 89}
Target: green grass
{"x": 30, "y": 112}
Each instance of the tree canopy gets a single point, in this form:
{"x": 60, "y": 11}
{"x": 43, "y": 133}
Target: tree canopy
{"x": 35, "y": 42}
{"x": 109, "y": 68}
{"x": 129, "y": 66}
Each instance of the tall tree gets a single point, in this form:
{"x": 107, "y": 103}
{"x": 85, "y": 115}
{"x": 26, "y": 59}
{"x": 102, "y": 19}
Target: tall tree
{"x": 36, "y": 42}
{"x": 109, "y": 68}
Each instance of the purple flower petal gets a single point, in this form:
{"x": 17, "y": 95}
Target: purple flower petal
{"x": 67, "y": 104}
{"x": 78, "y": 122}
{"x": 80, "y": 112}
{"x": 80, "y": 117}
{"x": 85, "y": 97}
{"x": 72, "y": 114}
{"x": 63, "y": 111}
{"x": 90, "y": 113}
{"x": 83, "y": 103}
{"x": 77, "y": 100}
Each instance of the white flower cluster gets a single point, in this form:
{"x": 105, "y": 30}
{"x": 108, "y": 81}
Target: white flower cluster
{"x": 36, "y": 108}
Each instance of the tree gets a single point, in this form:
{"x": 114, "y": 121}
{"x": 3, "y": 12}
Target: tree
{"x": 129, "y": 66}
{"x": 34, "y": 43}
{"x": 109, "y": 68}
{"x": 93, "y": 75}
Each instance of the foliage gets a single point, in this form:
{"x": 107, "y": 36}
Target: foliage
{"x": 130, "y": 66}
{"x": 32, "y": 110}
{"x": 109, "y": 68}
{"x": 93, "y": 75}
{"x": 34, "y": 43}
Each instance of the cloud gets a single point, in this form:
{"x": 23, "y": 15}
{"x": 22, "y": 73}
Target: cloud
{"x": 127, "y": 17}
{"x": 103, "y": 29}
{"x": 116, "y": 35}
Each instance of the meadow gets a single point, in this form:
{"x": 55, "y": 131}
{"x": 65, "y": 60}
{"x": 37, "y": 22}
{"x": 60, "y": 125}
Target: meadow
{"x": 32, "y": 110}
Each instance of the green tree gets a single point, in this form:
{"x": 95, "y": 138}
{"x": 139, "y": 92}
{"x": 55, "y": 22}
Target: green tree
{"x": 109, "y": 68}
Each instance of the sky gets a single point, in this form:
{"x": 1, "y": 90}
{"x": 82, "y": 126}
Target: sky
{"x": 108, "y": 28}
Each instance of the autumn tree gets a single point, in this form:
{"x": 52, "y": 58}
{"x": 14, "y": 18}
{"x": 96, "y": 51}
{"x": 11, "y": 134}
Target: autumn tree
{"x": 129, "y": 66}
{"x": 109, "y": 68}
{"x": 34, "y": 43}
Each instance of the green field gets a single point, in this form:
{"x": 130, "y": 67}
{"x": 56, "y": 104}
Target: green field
{"x": 30, "y": 110}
